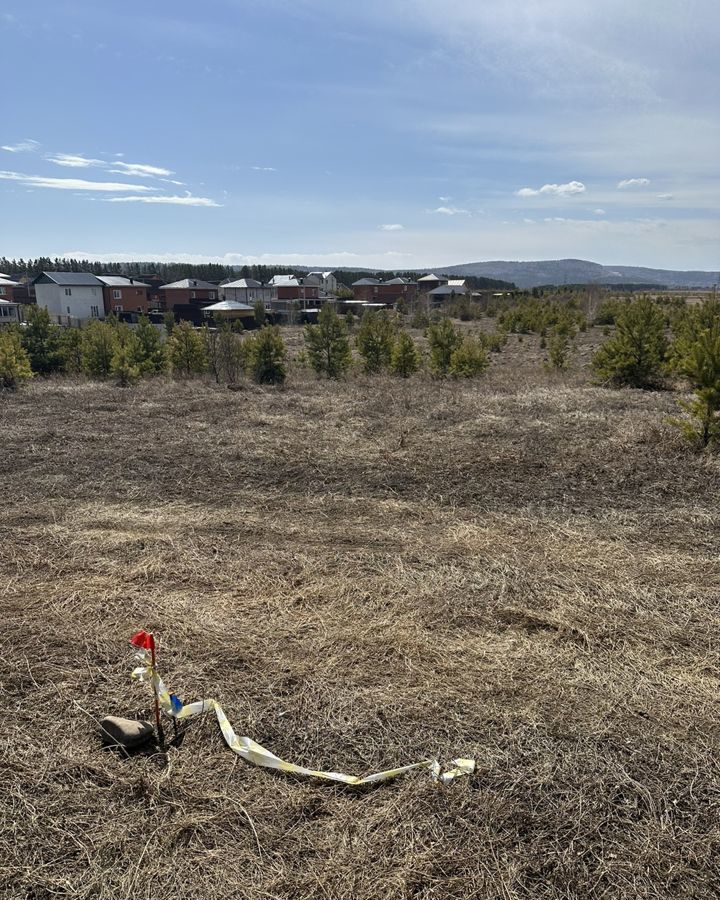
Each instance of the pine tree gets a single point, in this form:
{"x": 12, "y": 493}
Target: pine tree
{"x": 186, "y": 350}
{"x": 375, "y": 340}
{"x": 260, "y": 314}
{"x": 405, "y": 359}
{"x": 122, "y": 367}
{"x": 71, "y": 350}
{"x": 699, "y": 361}
{"x": 41, "y": 340}
{"x": 635, "y": 354}
{"x": 469, "y": 359}
{"x": 443, "y": 341}
{"x": 231, "y": 353}
{"x": 99, "y": 344}
{"x": 149, "y": 351}
{"x": 266, "y": 356}
{"x": 327, "y": 344}
{"x": 14, "y": 360}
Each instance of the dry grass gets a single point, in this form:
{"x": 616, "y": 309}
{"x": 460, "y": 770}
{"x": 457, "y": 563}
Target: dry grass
{"x": 522, "y": 569}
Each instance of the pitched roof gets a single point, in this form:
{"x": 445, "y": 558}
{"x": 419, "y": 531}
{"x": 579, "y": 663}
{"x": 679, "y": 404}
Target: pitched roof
{"x": 119, "y": 281}
{"x": 447, "y": 289}
{"x": 283, "y": 281}
{"x": 8, "y": 282}
{"x": 227, "y": 306}
{"x": 365, "y": 281}
{"x": 430, "y": 277}
{"x": 188, "y": 284}
{"x": 457, "y": 282}
{"x": 79, "y": 279}
{"x": 243, "y": 283}
{"x": 322, "y": 275}
{"x": 398, "y": 281}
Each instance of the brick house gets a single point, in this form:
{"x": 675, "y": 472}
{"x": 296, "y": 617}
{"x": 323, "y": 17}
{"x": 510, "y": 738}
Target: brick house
{"x": 124, "y": 295}
{"x": 371, "y": 290}
{"x": 189, "y": 292}
{"x": 7, "y": 288}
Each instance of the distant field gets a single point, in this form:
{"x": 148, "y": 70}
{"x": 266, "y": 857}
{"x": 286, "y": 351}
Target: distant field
{"x": 523, "y": 568}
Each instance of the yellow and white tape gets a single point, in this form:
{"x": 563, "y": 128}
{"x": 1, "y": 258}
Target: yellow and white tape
{"x": 252, "y": 752}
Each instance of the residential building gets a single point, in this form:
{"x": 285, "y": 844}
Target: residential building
{"x": 7, "y": 288}
{"x": 446, "y": 292}
{"x": 9, "y": 312}
{"x": 70, "y": 297}
{"x": 246, "y": 290}
{"x": 327, "y": 282}
{"x": 229, "y": 309}
{"x": 124, "y": 295}
{"x": 189, "y": 292}
{"x": 290, "y": 294}
{"x": 385, "y": 293}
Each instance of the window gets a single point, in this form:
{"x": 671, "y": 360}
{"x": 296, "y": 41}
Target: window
{"x": 117, "y": 295}
{"x": 68, "y": 309}
{"x": 94, "y": 312}
{"x": 212, "y": 295}
{"x": 68, "y": 292}
{"x": 4, "y": 312}
{"x": 192, "y": 295}
{"x": 2, "y": 291}
{"x": 118, "y": 309}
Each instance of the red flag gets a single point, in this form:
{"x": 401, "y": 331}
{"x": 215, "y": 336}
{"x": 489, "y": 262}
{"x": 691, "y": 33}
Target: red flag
{"x": 143, "y": 640}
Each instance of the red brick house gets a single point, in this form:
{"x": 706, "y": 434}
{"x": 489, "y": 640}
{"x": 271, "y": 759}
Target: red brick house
{"x": 124, "y": 295}
{"x": 189, "y": 292}
{"x": 7, "y": 288}
{"x": 371, "y": 290}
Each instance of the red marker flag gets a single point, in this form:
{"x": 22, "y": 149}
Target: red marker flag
{"x": 143, "y": 641}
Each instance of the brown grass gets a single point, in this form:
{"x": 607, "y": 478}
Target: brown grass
{"x": 523, "y": 569}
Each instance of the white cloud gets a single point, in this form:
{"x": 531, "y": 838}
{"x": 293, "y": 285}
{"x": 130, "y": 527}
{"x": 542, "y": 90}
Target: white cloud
{"x": 599, "y": 212}
{"x": 142, "y": 169}
{"x": 27, "y": 146}
{"x": 559, "y": 190}
{"x": 73, "y": 184}
{"x": 394, "y": 227}
{"x": 174, "y": 201}
{"x": 74, "y": 162}
{"x": 665, "y": 197}
{"x": 263, "y": 169}
{"x": 444, "y": 199}
{"x": 452, "y": 211}
{"x": 633, "y": 182}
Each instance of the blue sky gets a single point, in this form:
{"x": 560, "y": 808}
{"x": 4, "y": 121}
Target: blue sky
{"x": 401, "y": 133}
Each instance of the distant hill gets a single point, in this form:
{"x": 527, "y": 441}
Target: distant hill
{"x": 579, "y": 271}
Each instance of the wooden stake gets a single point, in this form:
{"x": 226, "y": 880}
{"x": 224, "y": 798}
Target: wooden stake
{"x": 161, "y": 736}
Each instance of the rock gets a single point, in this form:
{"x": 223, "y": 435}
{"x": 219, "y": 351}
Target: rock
{"x": 127, "y": 733}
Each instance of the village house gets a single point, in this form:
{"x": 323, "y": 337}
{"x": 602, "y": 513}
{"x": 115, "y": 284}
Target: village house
{"x": 229, "y": 310}
{"x": 246, "y": 290}
{"x": 124, "y": 295}
{"x": 9, "y": 312}
{"x": 7, "y": 288}
{"x": 70, "y": 297}
{"x": 373, "y": 292}
{"x": 326, "y": 281}
{"x": 188, "y": 292}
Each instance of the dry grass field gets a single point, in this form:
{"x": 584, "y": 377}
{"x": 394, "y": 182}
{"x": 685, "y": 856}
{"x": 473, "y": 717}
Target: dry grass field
{"x": 522, "y": 568}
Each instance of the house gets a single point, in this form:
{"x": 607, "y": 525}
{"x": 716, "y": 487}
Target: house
{"x": 189, "y": 292}
{"x": 446, "y": 292}
{"x": 290, "y": 294}
{"x": 327, "y": 282}
{"x": 124, "y": 295}
{"x": 246, "y": 290}
{"x": 9, "y": 312}
{"x": 70, "y": 297}
{"x": 7, "y": 287}
{"x": 385, "y": 293}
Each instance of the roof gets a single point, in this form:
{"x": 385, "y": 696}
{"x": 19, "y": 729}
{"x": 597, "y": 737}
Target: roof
{"x": 243, "y": 283}
{"x": 119, "y": 281}
{"x": 321, "y": 274}
{"x": 8, "y": 282}
{"x": 188, "y": 284}
{"x": 446, "y": 289}
{"x": 228, "y": 306}
{"x": 398, "y": 281}
{"x": 75, "y": 279}
{"x": 430, "y": 277}
{"x": 365, "y": 281}
{"x": 283, "y": 281}
{"x": 457, "y": 282}
{"x": 8, "y": 302}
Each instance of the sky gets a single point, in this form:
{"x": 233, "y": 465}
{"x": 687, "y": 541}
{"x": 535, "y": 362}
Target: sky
{"x": 387, "y": 134}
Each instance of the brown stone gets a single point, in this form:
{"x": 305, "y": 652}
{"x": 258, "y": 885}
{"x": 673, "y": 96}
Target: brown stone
{"x": 127, "y": 733}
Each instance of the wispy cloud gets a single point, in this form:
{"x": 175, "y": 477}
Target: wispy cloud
{"x": 73, "y": 184}
{"x": 263, "y": 169}
{"x": 665, "y": 197}
{"x": 27, "y": 146}
{"x": 558, "y": 190}
{"x": 77, "y": 161}
{"x": 633, "y": 182}
{"x": 141, "y": 169}
{"x": 174, "y": 201}
{"x": 599, "y": 212}
{"x": 394, "y": 227}
{"x": 72, "y": 161}
{"x": 452, "y": 211}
